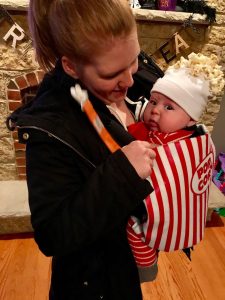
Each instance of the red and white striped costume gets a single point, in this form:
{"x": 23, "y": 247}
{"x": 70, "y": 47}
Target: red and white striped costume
{"x": 177, "y": 208}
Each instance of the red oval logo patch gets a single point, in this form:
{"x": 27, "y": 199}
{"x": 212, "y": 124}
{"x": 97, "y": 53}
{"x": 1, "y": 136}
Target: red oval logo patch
{"x": 203, "y": 175}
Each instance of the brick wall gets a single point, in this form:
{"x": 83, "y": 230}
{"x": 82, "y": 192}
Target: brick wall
{"x": 19, "y": 91}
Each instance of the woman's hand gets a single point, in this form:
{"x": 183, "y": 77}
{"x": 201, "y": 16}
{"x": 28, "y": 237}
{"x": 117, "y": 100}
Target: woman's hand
{"x": 141, "y": 156}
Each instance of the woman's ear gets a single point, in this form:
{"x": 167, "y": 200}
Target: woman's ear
{"x": 69, "y": 67}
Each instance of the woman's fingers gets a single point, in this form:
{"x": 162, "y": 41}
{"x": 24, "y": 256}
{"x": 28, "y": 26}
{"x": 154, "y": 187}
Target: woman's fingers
{"x": 141, "y": 156}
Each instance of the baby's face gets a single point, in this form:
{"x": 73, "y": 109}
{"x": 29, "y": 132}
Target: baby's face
{"x": 164, "y": 115}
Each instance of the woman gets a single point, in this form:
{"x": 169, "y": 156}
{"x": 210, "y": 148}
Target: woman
{"x": 80, "y": 195}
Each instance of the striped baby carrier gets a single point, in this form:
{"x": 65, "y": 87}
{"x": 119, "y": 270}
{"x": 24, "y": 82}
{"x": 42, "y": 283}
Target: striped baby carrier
{"x": 178, "y": 206}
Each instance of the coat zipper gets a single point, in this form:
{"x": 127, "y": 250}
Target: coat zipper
{"x": 61, "y": 140}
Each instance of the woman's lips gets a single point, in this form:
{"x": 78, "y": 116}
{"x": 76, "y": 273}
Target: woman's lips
{"x": 120, "y": 93}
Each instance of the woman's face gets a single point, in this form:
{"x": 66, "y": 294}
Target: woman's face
{"x": 109, "y": 75}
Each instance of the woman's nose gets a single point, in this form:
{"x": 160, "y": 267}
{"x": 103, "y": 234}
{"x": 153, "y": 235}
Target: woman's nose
{"x": 126, "y": 79}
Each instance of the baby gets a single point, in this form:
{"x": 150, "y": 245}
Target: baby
{"x": 176, "y": 104}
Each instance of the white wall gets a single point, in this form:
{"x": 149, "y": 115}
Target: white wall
{"x": 218, "y": 133}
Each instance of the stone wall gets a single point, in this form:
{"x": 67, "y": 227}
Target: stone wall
{"x": 154, "y": 28}
{"x": 12, "y": 65}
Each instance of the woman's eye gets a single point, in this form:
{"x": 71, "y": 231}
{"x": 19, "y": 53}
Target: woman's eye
{"x": 109, "y": 77}
{"x": 168, "y": 107}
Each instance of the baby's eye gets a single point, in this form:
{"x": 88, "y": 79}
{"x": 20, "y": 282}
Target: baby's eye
{"x": 153, "y": 102}
{"x": 168, "y": 107}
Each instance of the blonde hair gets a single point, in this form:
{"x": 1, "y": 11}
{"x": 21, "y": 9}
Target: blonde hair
{"x": 77, "y": 29}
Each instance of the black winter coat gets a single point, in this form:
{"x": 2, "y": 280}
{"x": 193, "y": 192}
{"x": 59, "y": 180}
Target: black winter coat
{"x": 80, "y": 195}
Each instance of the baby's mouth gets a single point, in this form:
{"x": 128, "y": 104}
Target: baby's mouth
{"x": 152, "y": 125}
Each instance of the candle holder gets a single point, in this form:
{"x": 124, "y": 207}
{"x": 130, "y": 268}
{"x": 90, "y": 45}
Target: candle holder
{"x": 167, "y": 4}
{"x": 148, "y": 4}
{"x": 134, "y": 4}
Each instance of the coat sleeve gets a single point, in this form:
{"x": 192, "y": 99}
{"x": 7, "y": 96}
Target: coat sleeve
{"x": 72, "y": 208}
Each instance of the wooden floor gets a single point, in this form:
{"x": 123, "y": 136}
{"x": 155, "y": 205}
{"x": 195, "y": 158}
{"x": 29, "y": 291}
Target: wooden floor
{"x": 25, "y": 272}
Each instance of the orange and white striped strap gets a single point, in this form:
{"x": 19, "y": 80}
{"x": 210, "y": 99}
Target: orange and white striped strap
{"x": 99, "y": 126}
{"x": 81, "y": 96}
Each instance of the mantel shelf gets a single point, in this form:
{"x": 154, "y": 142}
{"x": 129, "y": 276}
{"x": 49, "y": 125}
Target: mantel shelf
{"x": 140, "y": 14}
{"x": 21, "y": 5}
{"x": 168, "y": 16}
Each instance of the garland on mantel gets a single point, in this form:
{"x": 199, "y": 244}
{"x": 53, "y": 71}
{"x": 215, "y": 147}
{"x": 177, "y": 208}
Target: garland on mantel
{"x": 198, "y": 7}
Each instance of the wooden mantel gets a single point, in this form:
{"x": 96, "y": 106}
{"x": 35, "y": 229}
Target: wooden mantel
{"x": 15, "y": 4}
{"x": 168, "y": 16}
{"x": 140, "y": 14}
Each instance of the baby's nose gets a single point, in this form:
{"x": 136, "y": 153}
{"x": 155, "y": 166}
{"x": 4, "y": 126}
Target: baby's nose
{"x": 156, "y": 109}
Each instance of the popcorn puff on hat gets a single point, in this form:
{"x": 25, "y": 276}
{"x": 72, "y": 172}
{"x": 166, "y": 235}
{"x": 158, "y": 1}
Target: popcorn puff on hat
{"x": 191, "y": 81}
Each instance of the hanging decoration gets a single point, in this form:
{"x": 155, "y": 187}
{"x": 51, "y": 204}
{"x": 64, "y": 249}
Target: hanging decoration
{"x": 15, "y": 33}
{"x": 5, "y": 15}
{"x": 188, "y": 23}
{"x": 176, "y": 44}
{"x": 179, "y": 43}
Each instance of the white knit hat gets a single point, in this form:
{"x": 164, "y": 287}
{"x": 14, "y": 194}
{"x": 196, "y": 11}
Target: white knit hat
{"x": 189, "y": 92}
